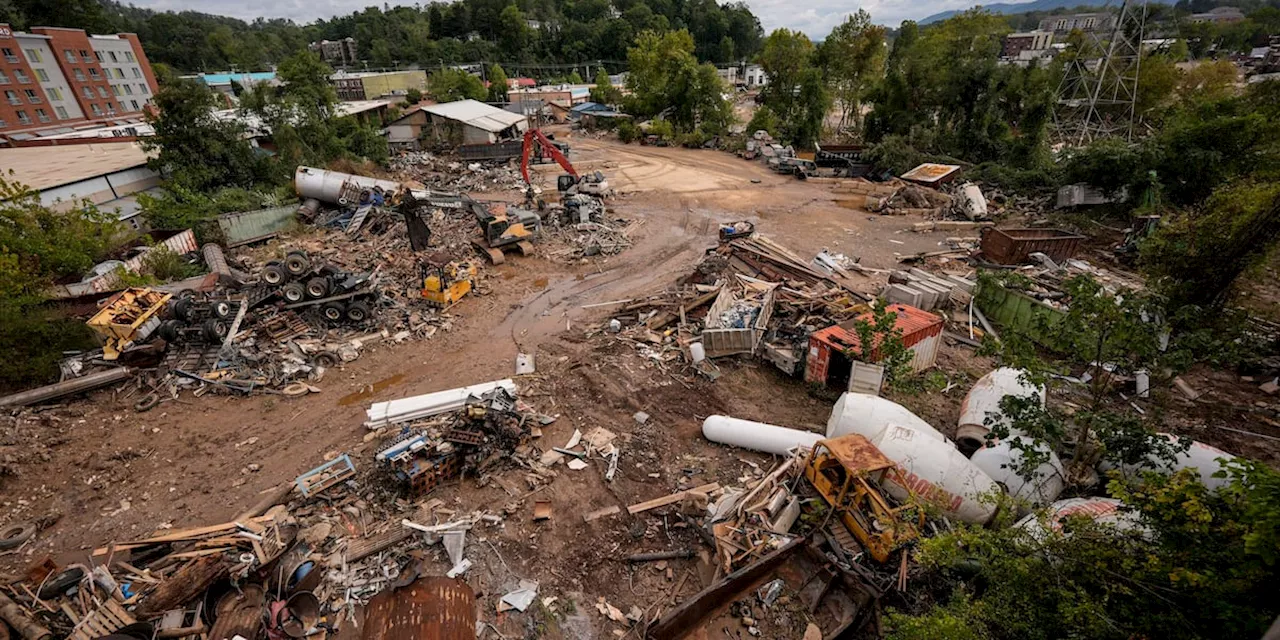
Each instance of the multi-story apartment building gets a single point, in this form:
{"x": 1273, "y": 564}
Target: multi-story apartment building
{"x": 53, "y": 78}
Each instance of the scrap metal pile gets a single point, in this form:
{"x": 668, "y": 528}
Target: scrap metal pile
{"x": 455, "y": 175}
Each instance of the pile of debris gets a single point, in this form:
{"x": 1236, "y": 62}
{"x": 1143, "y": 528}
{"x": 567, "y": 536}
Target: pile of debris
{"x": 456, "y": 175}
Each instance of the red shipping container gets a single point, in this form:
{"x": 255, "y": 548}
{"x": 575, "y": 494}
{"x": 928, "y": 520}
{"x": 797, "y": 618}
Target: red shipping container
{"x": 827, "y": 362}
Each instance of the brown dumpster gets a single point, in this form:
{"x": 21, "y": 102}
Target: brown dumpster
{"x": 1013, "y": 246}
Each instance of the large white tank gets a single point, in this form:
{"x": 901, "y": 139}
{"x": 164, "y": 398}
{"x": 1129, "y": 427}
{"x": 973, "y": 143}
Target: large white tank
{"x": 325, "y": 185}
{"x": 937, "y": 472}
{"x": 867, "y": 414}
{"x": 984, "y": 398}
{"x": 757, "y": 436}
{"x": 1103, "y": 510}
{"x": 1200, "y": 456}
{"x": 1001, "y": 461}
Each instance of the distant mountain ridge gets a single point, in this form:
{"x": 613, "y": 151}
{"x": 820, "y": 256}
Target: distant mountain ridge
{"x": 1008, "y": 8}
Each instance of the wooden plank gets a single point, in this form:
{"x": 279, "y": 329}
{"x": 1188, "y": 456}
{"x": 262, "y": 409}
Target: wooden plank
{"x": 671, "y": 499}
{"x": 358, "y": 549}
{"x": 178, "y": 536}
{"x": 600, "y": 513}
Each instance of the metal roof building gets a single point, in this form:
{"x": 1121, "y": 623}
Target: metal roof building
{"x": 479, "y": 123}
{"x": 65, "y": 174}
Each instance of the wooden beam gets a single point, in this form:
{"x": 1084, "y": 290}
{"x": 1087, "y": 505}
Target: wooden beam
{"x": 671, "y": 499}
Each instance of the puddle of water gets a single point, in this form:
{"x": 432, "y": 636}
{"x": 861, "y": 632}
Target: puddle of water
{"x": 367, "y": 392}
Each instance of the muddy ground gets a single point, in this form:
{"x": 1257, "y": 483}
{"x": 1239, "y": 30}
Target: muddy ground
{"x": 101, "y": 472}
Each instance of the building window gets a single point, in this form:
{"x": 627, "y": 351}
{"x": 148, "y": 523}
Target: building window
{"x": 113, "y": 56}
{"x": 54, "y": 93}
{"x": 8, "y": 55}
{"x": 88, "y": 92}
{"x": 3, "y": 124}
{"x": 102, "y": 92}
{"x": 12, "y": 97}
{"x": 137, "y": 73}
{"x": 22, "y": 76}
{"x": 33, "y": 97}
{"x": 42, "y": 75}
{"x": 119, "y": 73}
{"x": 40, "y": 113}
{"x": 84, "y": 55}
{"x": 111, "y": 110}
{"x": 69, "y": 55}
{"x": 134, "y": 104}
{"x": 33, "y": 55}
{"x": 128, "y": 89}
{"x": 93, "y": 73}
{"x": 128, "y": 55}
{"x": 97, "y": 111}
{"x": 115, "y": 88}
{"x": 79, "y": 75}
{"x": 98, "y": 54}
{"x": 62, "y": 113}
{"x": 4, "y": 79}
{"x": 23, "y": 117}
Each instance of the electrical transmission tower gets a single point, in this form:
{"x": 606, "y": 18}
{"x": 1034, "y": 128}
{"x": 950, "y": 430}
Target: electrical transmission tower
{"x": 1099, "y": 90}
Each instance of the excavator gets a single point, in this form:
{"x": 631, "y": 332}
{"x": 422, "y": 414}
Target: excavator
{"x": 593, "y": 183}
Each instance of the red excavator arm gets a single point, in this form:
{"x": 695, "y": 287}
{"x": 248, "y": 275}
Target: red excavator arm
{"x": 535, "y": 136}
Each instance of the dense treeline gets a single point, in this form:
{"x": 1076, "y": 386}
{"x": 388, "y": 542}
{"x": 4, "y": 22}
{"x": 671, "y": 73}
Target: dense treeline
{"x": 527, "y": 31}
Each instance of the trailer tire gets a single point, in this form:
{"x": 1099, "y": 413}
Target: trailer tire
{"x": 318, "y": 287}
{"x": 169, "y": 330}
{"x": 358, "y": 312}
{"x": 224, "y": 309}
{"x": 327, "y": 359}
{"x": 274, "y": 274}
{"x": 214, "y": 330}
{"x": 297, "y": 263}
{"x": 333, "y": 311}
{"x": 294, "y": 292}
{"x": 14, "y": 535}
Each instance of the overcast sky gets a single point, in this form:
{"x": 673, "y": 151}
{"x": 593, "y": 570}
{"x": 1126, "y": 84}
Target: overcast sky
{"x": 814, "y": 17}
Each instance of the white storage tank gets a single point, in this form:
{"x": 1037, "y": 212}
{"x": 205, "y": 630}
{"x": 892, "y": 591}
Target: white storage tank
{"x": 984, "y": 398}
{"x": 1103, "y": 510}
{"x": 1001, "y": 461}
{"x": 867, "y": 414}
{"x": 326, "y": 186}
{"x": 936, "y": 472}
{"x": 757, "y": 436}
{"x": 1200, "y": 456}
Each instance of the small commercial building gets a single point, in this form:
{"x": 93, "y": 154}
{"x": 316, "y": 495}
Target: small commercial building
{"x": 101, "y": 173}
{"x": 377, "y": 84}
{"x": 1016, "y": 43}
{"x": 569, "y": 94}
{"x": 455, "y": 123}
{"x": 224, "y": 83}
{"x": 1220, "y": 15}
{"x": 1086, "y": 22}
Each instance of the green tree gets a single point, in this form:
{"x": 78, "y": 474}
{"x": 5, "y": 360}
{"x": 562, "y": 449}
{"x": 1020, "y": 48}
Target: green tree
{"x": 853, "y": 58}
{"x": 797, "y": 91}
{"x": 514, "y": 32}
{"x": 497, "y": 84}
{"x": 604, "y": 92}
{"x": 449, "y": 85}
{"x": 665, "y": 76}
{"x": 38, "y": 246}
{"x": 193, "y": 148}
{"x": 413, "y": 96}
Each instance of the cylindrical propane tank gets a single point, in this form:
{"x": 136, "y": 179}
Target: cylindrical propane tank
{"x": 756, "y": 436}
{"x": 984, "y": 398}
{"x": 867, "y": 414}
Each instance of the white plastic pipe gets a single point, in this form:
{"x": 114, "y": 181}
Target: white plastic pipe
{"x": 984, "y": 398}
{"x": 936, "y": 472}
{"x": 868, "y": 415}
{"x": 757, "y": 436}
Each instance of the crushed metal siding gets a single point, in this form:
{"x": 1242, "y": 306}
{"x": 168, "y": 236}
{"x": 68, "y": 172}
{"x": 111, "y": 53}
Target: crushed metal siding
{"x": 433, "y": 607}
{"x": 251, "y": 226}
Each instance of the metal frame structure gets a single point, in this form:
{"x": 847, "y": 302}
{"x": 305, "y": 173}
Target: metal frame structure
{"x": 1097, "y": 97}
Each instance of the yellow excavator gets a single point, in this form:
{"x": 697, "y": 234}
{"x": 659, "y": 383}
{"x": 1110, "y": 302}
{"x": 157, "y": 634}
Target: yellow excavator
{"x": 444, "y": 282}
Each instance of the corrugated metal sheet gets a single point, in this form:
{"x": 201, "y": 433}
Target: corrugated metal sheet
{"x": 476, "y": 114}
{"x": 433, "y": 607}
{"x": 921, "y": 333}
{"x": 250, "y": 226}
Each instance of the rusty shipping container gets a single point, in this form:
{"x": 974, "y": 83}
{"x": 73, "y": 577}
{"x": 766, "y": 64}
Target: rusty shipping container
{"x": 828, "y": 364}
{"x": 1014, "y": 246}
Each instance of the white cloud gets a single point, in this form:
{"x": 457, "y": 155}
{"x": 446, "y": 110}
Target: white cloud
{"x": 816, "y": 19}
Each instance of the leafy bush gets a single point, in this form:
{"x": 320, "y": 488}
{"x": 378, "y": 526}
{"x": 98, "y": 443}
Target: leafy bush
{"x": 628, "y": 132}
{"x": 895, "y": 154}
{"x": 1014, "y": 179}
{"x": 662, "y": 128}
{"x": 764, "y": 119}
{"x": 166, "y": 266}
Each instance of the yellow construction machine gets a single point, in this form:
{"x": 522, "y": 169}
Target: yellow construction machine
{"x": 127, "y": 318}
{"x": 848, "y": 472}
{"x": 445, "y": 282}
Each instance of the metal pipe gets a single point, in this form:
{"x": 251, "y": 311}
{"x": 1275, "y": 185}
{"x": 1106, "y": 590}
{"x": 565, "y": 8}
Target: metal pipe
{"x": 660, "y": 555}
{"x": 67, "y": 387}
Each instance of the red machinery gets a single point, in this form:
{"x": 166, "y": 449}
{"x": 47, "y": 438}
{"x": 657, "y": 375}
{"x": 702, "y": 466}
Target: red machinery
{"x": 548, "y": 149}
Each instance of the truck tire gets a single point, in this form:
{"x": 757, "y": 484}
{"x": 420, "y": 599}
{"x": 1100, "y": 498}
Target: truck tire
{"x": 15, "y": 534}
{"x": 214, "y": 330}
{"x": 182, "y": 308}
{"x": 317, "y": 287}
{"x": 225, "y": 309}
{"x": 294, "y": 292}
{"x": 334, "y": 311}
{"x": 358, "y": 312}
{"x": 297, "y": 263}
{"x": 170, "y": 330}
{"x": 274, "y": 274}
{"x": 327, "y": 359}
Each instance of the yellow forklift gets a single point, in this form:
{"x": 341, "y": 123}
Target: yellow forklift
{"x": 848, "y": 473}
{"x": 444, "y": 282}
